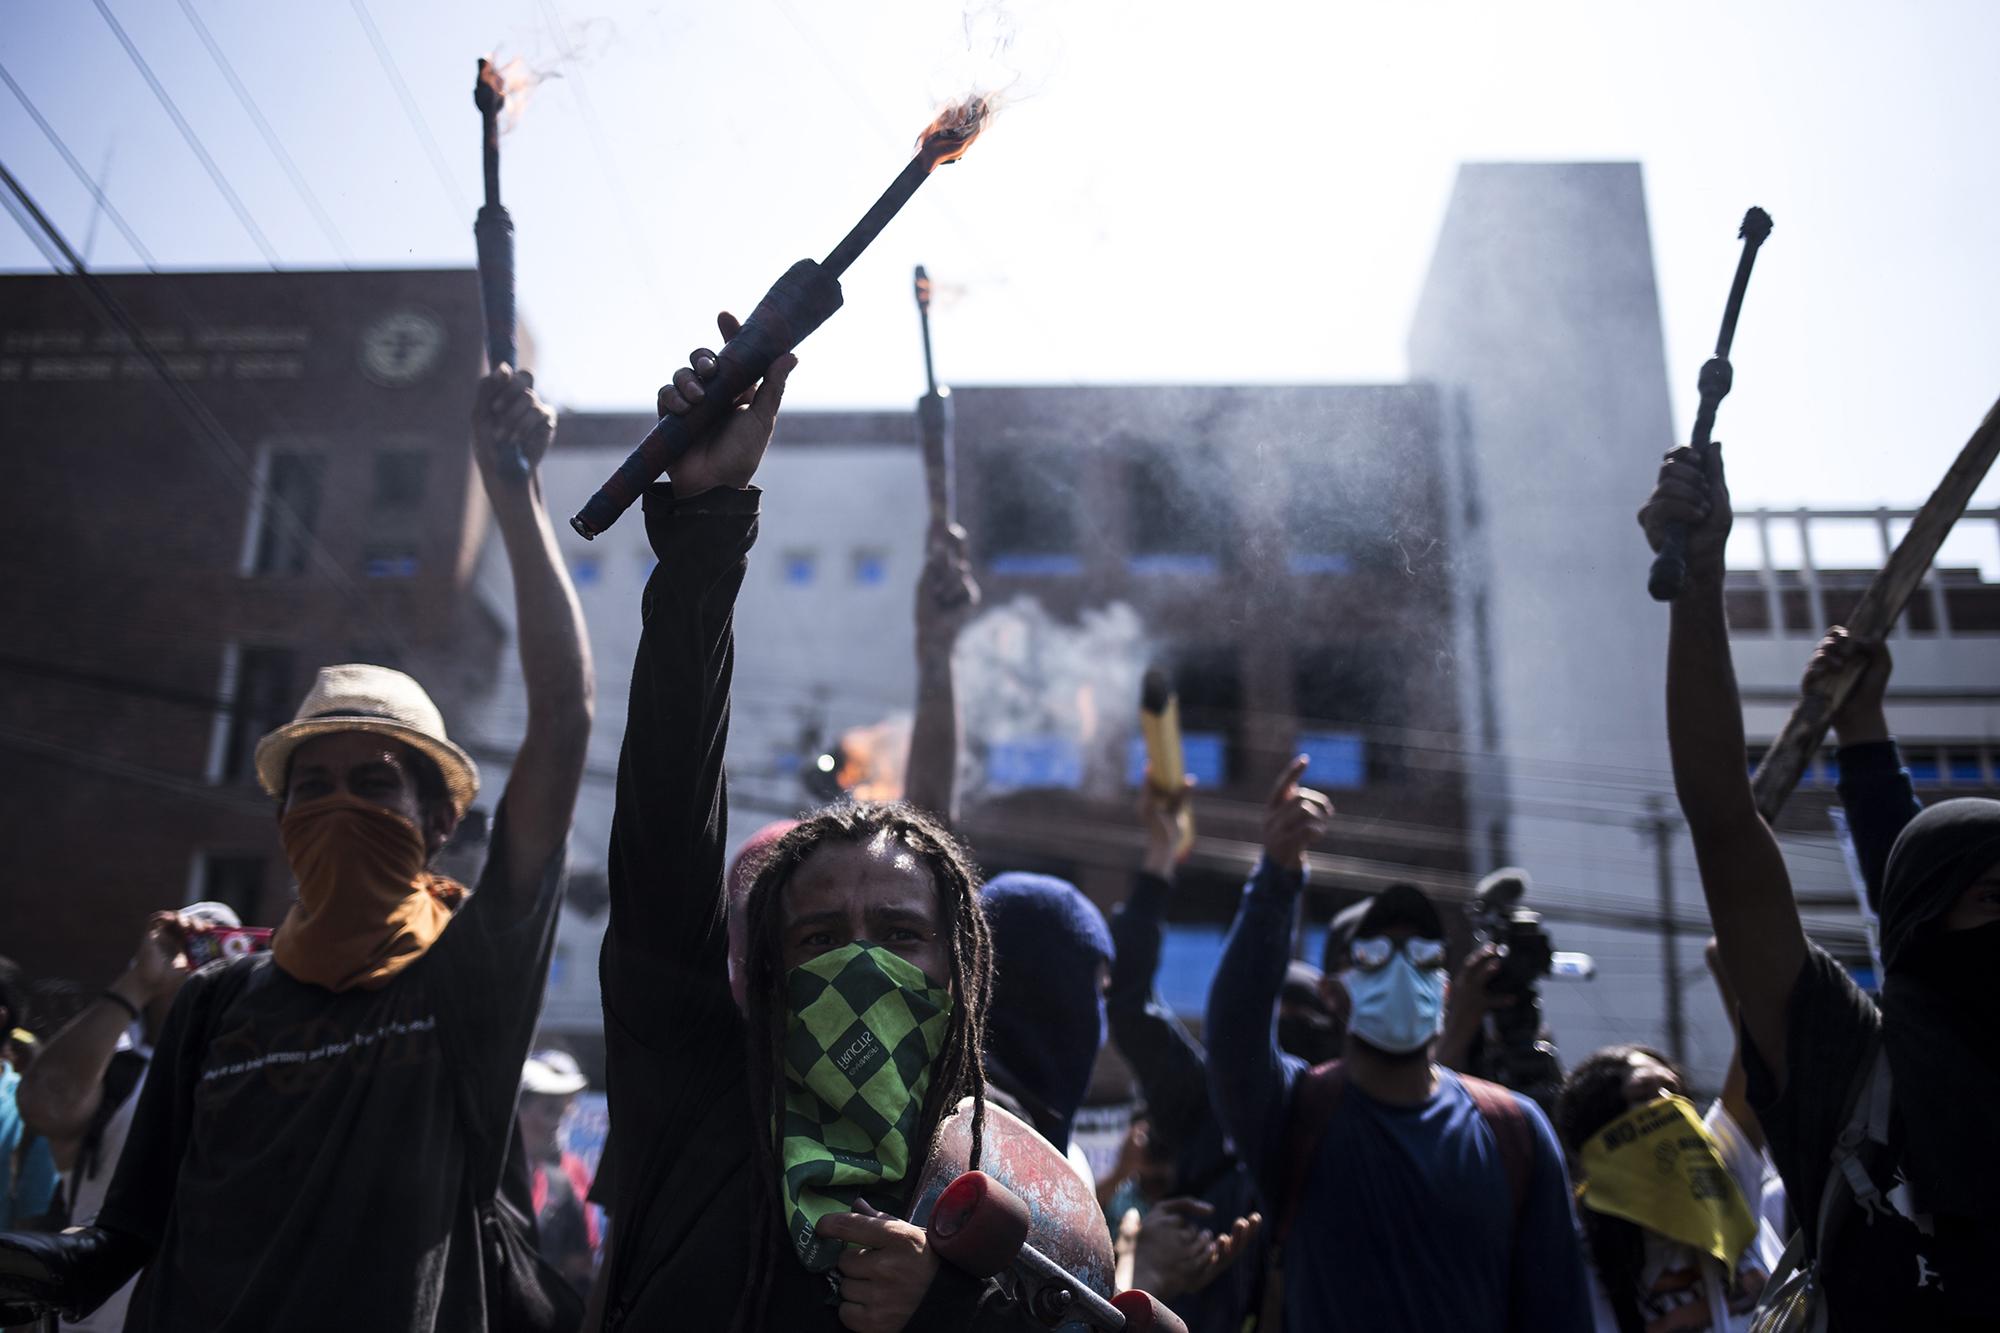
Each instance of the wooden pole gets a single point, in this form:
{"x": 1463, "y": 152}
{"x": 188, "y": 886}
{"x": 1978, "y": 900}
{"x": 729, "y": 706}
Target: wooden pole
{"x": 1875, "y": 614}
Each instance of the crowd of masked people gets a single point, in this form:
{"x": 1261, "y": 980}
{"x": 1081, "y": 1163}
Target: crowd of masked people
{"x": 346, "y": 1130}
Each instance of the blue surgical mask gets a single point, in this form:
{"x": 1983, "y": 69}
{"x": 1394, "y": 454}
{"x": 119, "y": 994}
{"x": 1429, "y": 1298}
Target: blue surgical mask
{"x": 1398, "y": 1006}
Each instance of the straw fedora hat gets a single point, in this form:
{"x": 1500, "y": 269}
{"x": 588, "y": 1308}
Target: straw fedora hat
{"x": 357, "y": 697}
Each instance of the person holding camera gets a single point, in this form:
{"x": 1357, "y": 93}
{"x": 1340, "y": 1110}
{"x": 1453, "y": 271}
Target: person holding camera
{"x": 1409, "y": 1197}
{"x": 320, "y": 1140}
{"x": 84, "y": 1087}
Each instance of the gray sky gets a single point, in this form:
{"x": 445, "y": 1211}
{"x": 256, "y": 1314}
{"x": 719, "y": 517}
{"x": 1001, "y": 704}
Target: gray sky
{"x": 1171, "y": 180}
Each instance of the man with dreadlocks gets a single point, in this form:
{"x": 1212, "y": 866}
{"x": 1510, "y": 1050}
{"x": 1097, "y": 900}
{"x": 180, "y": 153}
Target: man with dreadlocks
{"x": 766, "y": 1154}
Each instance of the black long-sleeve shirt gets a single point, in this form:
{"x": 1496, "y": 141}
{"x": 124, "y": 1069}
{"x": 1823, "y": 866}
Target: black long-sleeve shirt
{"x": 1879, "y": 798}
{"x": 676, "y": 1055}
{"x": 1172, "y": 1070}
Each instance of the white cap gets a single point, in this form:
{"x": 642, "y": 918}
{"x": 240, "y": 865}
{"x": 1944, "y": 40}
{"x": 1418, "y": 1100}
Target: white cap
{"x": 553, "y": 1074}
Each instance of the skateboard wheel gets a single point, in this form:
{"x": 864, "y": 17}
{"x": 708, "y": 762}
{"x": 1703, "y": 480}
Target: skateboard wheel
{"x": 1143, "y": 1312}
{"x": 978, "y": 1224}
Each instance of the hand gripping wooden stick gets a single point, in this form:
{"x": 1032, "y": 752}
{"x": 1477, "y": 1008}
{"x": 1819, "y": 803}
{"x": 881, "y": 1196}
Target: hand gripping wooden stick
{"x": 1669, "y": 576}
{"x": 1873, "y": 616}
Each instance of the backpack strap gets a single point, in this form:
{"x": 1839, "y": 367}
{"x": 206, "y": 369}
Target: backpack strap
{"x": 1865, "y": 1135}
{"x": 1513, "y": 1134}
{"x": 1315, "y": 1099}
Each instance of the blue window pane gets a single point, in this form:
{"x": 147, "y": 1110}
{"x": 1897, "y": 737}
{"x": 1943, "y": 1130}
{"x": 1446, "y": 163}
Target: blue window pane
{"x": 1339, "y": 760}
{"x": 1035, "y": 761}
{"x": 392, "y": 565}
{"x": 1965, "y": 770}
{"x": 585, "y": 569}
{"x": 798, "y": 570}
{"x": 1171, "y": 562}
{"x": 870, "y": 568}
{"x": 1319, "y": 562}
{"x": 1923, "y": 768}
{"x": 1022, "y": 563}
{"x": 1205, "y": 754}
{"x": 1188, "y": 956}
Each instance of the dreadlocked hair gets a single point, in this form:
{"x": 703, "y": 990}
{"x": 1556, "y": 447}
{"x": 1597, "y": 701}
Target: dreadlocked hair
{"x": 1592, "y": 1097}
{"x": 958, "y": 1072}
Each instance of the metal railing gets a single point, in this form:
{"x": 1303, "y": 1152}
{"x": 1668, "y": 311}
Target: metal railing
{"x": 1808, "y": 576}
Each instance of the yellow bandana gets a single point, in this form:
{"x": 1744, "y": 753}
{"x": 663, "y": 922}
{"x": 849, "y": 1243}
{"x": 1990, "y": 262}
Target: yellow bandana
{"x": 1657, "y": 1165}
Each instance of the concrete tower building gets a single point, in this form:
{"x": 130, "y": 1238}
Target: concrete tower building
{"x": 1540, "y": 325}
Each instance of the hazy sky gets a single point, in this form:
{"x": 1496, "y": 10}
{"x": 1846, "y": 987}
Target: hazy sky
{"x": 1181, "y": 192}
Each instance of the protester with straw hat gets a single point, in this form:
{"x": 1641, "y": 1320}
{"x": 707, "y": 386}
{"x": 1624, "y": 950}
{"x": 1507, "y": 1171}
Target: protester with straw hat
{"x": 321, "y": 1135}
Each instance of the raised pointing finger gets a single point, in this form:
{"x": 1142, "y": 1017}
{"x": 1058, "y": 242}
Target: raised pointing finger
{"x": 1281, "y": 790}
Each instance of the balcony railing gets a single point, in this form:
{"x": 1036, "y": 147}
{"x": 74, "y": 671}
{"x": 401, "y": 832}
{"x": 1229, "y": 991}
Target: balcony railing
{"x": 1793, "y": 572}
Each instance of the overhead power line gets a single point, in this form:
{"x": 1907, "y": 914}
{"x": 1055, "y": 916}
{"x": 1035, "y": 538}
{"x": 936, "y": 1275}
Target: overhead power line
{"x": 96, "y": 192}
{"x": 460, "y": 208}
{"x": 187, "y": 132}
{"x": 271, "y": 139}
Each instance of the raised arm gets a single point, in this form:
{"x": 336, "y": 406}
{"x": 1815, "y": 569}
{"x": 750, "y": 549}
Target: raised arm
{"x": 946, "y": 597}
{"x": 1171, "y": 1067}
{"x": 1743, "y": 874}
{"x": 1875, "y": 788}
{"x": 60, "y": 1094}
{"x": 1249, "y": 1078}
{"x": 555, "y": 653}
{"x": 666, "y": 949}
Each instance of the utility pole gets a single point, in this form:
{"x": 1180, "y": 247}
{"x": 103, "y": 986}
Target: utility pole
{"x": 1660, "y": 826}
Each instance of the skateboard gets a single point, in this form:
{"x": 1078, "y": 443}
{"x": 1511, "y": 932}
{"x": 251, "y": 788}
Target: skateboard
{"x": 1026, "y": 1218}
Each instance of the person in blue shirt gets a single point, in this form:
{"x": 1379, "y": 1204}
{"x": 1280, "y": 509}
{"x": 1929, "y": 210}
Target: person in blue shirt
{"x": 27, "y": 1166}
{"x": 1410, "y": 1198}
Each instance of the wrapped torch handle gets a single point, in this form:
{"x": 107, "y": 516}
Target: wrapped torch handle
{"x": 797, "y": 303}
{"x": 493, "y": 236}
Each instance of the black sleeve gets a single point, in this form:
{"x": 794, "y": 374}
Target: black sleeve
{"x": 494, "y": 958}
{"x": 666, "y": 951}
{"x": 1170, "y": 1065}
{"x": 1830, "y": 1030}
{"x": 140, "y": 1198}
{"x": 1876, "y": 792}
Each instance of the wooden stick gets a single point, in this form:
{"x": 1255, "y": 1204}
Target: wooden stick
{"x": 1875, "y": 614}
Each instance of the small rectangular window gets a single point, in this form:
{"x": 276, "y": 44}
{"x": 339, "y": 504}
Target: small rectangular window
{"x": 1029, "y": 511}
{"x": 395, "y": 561}
{"x": 262, "y": 703}
{"x": 798, "y": 567}
{"x": 585, "y": 569}
{"x": 288, "y": 512}
{"x": 1339, "y": 760}
{"x": 871, "y": 567}
{"x": 400, "y": 475}
{"x": 1923, "y": 766}
{"x": 1964, "y": 769}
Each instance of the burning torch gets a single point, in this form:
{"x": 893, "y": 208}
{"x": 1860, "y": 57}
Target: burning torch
{"x": 1166, "y": 766}
{"x": 493, "y": 233}
{"x": 799, "y": 302}
{"x": 1669, "y": 575}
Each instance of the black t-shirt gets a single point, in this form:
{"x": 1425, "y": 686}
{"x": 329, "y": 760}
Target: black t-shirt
{"x": 676, "y": 1057}
{"x": 304, "y": 1158}
{"x": 1883, "y": 1273}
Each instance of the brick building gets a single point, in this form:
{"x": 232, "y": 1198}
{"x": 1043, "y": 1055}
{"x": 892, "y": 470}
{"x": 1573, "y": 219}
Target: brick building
{"x": 171, "y": 591}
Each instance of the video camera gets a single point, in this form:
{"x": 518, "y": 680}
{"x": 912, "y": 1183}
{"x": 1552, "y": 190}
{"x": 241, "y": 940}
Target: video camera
{"x": 1518, "y": 1056}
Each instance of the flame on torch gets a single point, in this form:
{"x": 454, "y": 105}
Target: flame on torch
{"x": 509, "y": 85}
{"x": 946, "y": 138}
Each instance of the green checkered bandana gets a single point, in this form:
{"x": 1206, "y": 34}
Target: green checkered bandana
{"x": 863, "y": 1030}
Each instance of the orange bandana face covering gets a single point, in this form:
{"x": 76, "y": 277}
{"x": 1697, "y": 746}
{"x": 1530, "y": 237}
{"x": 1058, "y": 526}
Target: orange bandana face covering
{"x": 367, "y": 907}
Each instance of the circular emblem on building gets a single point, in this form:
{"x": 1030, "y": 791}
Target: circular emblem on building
{"x": 402, "y": 346}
